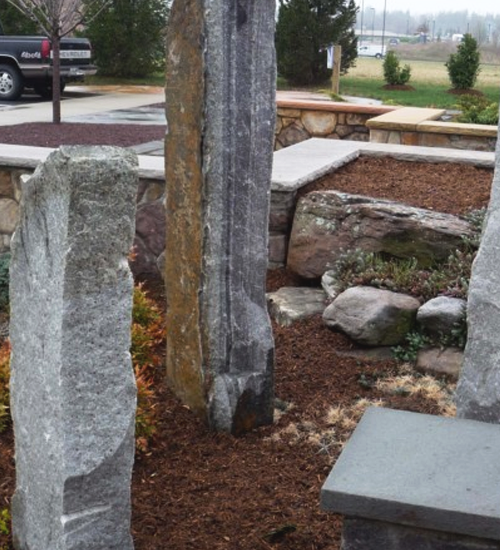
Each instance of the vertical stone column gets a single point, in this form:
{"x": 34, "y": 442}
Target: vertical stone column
{"x": 221, "y": 112}
{"x": 73, "y": 389}
{"x": 478, "y": 391}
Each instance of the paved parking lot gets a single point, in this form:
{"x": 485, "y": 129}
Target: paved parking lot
{"x": 106, "y": 104}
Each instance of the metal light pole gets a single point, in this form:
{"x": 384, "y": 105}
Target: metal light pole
{"x": 373, "y": 25}
{"x": 362, "y": 15}
{"x": 383, "y": 27}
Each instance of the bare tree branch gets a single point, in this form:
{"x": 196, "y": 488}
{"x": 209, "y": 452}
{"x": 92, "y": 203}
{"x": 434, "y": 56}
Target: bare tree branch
{"x": 57, "y": 18}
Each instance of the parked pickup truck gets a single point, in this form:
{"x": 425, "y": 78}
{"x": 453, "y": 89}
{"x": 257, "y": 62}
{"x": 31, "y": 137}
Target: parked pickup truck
{"x": 26, "y": 62}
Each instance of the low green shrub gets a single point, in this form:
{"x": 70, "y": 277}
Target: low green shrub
{"x": 394, "y": 74}
{"x": 415, "y": 341}
{"x": 477, "y": 110}
{"x": 464, "y": 65}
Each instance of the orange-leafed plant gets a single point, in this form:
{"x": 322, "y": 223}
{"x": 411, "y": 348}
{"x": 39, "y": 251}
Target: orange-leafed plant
{"x": 148, "y": 338}
{"x": 4, "y": 384}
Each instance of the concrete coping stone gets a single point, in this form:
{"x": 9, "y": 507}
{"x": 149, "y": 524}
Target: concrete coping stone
{"x": 458, "y": 128}
{"x": 407, "y": 118}
{"x": 293, "y": 167}
{"x": 420, "y": 470}
{"x": 23, "y": 156}
{"x": 334, "y": 106}
{"x": 299, "y": 164}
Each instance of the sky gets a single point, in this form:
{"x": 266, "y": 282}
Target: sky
{"x": 481, "y": 7}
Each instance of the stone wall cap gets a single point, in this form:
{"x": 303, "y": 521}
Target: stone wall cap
{"x": 458, "y": 128}
{"x": 420, "y": 470}
{"x": 406, "y": 118}
{"x": 334, "y": 106}
{"x": 23, "y": 156}
{"x": 308, "y": 160}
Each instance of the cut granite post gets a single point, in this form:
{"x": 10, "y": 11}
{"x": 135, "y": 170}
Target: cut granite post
{"x": 478, "y": 390}
{"x": 73, "y": 393}
{"x": 220, "y": 101}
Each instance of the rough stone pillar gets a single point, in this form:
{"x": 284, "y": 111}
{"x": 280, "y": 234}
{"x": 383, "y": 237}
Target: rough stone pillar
{"x": 221, "y": 113}
{"x": 478, "y": 391}
{"x": 73, "y": 389}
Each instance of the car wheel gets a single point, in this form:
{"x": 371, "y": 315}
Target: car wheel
{"x": 378, "y": 56}
{"x": 11, "y": 83}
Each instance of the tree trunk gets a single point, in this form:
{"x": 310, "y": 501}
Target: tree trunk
{"x": 56, "y": 79}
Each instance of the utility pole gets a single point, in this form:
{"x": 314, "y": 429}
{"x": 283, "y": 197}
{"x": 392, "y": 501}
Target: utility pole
{"x": 383, "y": 27}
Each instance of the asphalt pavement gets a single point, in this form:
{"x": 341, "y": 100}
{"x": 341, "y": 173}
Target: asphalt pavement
{"x": 91, "y": 104}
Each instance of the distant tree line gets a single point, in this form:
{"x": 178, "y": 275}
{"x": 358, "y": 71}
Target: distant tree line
{"x": 438, "y": 25}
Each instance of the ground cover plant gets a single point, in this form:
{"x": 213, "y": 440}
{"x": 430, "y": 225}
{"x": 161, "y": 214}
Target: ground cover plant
{"x": 195, "y": 490}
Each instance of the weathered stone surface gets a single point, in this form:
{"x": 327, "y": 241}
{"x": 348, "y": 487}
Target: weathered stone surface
{"x": 330, "y": 284}
{"x": 319, "y": 123}
{"x": 441, "y": 314}
{"x": 440, "y": 361}
{"x": 290, "y": 304}
{"x": 364, "y": 534}
{"x": 277, "y": 250}
{"x": 372, "y": 317}
{"x": 151, "y": 191}
{"x": 6, "y": 185}
{"x": 220, "y": 69}
{"x": 9, "y": 213}
{"x": 4, "y": 243}
{"x": 73, "y": 391}
{"x": 327, "y": 223}
{"x": 421, "y": 471}
{"x": 282, "y": 207}
{"x": 478, "y": 391}
{"x": 150, "y": 226}
{"x": 293, "y": 134}
{"x": 343, "y": 130}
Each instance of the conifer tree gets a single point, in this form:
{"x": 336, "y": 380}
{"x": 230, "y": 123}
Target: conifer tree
{"x": 128, "y": 37}
{"x": 304, "y": 31}
{"x": 463, "y": 66}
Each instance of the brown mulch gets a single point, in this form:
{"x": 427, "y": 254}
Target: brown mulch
{"x": 465, "y": 91}
{"x": 46, "y": 134}
{"x": 203, "y": 491}
{"x": 443, "y": 187}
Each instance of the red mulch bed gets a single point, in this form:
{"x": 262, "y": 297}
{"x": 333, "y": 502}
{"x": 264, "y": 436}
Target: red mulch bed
{"x": 203, "y": 491}
{"x": 46, "y": 134}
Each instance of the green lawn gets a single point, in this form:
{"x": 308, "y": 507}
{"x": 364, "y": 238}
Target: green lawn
{"x": 429, "y": 80}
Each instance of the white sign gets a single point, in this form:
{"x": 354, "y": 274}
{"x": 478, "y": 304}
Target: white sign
{"x": 73, "y": 54}
{"x": 329, "y": 56}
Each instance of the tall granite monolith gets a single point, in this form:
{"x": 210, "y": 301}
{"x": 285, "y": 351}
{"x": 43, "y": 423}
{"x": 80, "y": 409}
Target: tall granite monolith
{"x": 73, "y": 392}
{"x": 220, "y": 99}
{"x": 478, "y": 391}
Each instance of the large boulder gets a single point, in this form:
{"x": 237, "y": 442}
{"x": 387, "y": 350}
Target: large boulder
{"x": 371, "y": 316}
{"x": 440, "y": 362}
{"x": 327, "y": 223}
{"x": 290, "y": 304}
{"x": 440, "y": 315}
